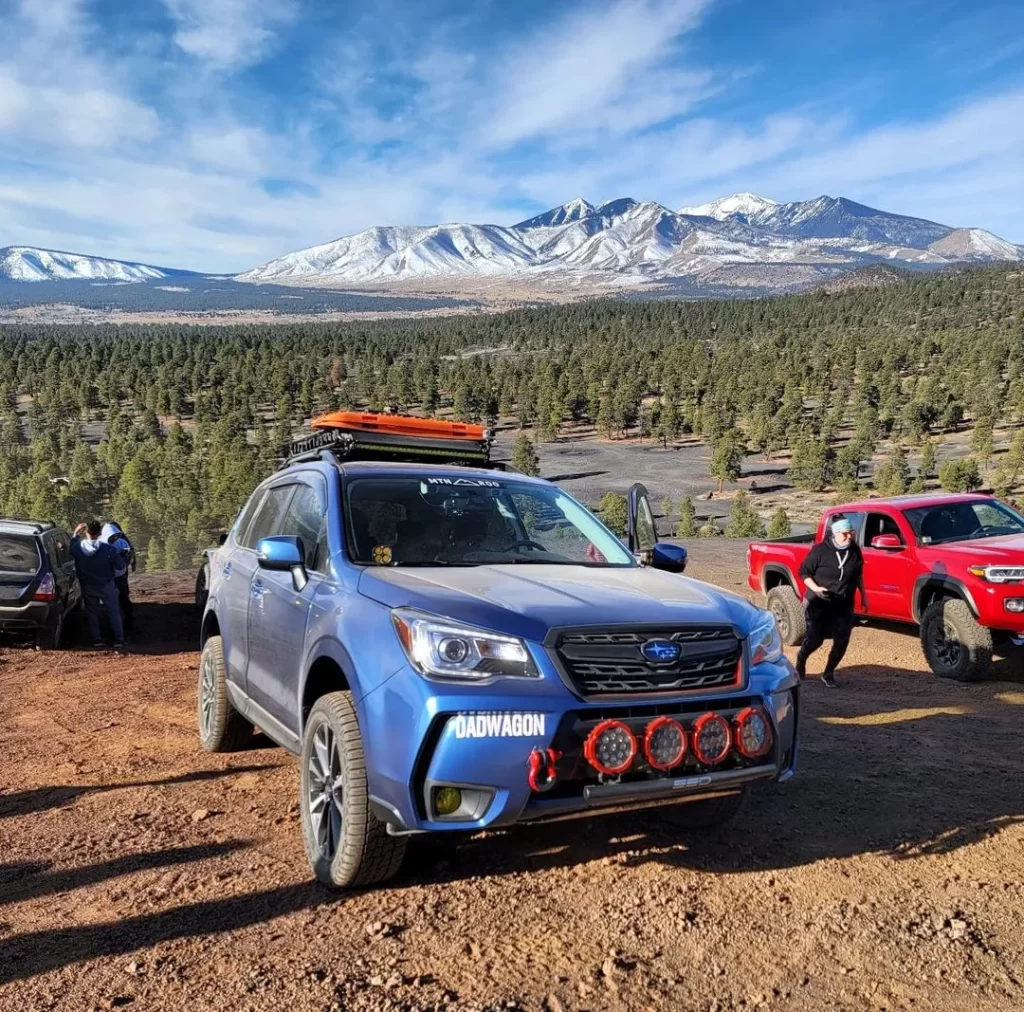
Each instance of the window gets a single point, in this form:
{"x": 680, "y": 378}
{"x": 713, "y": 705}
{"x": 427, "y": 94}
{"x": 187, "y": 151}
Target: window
{"x": 855, "y": 518}
{"x": 245, "y": 518}
{"x": 18, "y": 554}
{"x": 646, "y": 533}
{"x": 879, "y": 523}
{"x": 963, "y": 521}
{"x": 304, "y": 519}
{"x": 267, "y": 521}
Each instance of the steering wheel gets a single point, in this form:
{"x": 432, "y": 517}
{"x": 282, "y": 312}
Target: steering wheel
{"x": 525, "y": 543}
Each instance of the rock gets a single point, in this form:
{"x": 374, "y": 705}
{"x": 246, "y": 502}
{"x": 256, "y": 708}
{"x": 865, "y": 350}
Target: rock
{"x": 200, "y": 814}
{"x": 134, "y": 968}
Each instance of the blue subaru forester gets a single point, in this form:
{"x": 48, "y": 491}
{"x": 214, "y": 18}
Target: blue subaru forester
{"x": 463, "y": 647}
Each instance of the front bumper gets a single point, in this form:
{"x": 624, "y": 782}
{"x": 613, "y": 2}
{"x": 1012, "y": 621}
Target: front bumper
{"x": 422, "y": 736}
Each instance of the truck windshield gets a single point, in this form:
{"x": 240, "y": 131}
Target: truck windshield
{"x": 963, "y": 521}
{"x": 473, "y": 522}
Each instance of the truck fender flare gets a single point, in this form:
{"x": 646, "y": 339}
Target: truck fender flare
{"x": 946, "y": 583}
{"x": 780, "y": 570}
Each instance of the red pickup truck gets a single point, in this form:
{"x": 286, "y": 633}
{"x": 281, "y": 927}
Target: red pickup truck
{"x": 951, "y": 564}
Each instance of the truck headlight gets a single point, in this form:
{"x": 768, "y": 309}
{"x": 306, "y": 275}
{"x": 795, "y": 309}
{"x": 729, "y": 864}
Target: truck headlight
{"x": 998, "y": 574}
{"x": 765, "y": 641}
{"x": 437, "y": 646}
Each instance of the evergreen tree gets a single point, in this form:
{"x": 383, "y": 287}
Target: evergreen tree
{"x": 743, "y": 519}
{"x": 893, "y": 476}
{"x": 524, "y": 456}
{"x": 154, "y": 556}
{"x": 614, "y": 513}
{"x": 687, "y": 519}
{"x": 727, "y": 462}
{"x": 926, "y": 469}
{"x": 960, "y": 475}
{"x": 780, "y": 526}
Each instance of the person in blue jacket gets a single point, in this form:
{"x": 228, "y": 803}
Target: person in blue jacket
{"x": 97, "y": 563}
{"x": 113, "y": 535}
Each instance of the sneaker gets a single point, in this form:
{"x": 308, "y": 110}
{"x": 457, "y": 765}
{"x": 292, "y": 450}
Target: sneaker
{"x": 829, "y": 680}
{"x": 120, "y": 648}
{"x": 99, "y": 645}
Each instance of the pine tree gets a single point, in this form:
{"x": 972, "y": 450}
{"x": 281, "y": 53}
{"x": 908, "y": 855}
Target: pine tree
{"x": 154, "y": 556}
{"x": 667, "y": 507}
{"x": 727, "y": 462}
{"x": 926, "y": 469}
{"x": 960, "y": 475}
{"x": 893, "y": 477}
{"x": 614, "y": 512}
{"x": 687, "y": 519}
{"x": 524, "y": 456}
{"x": 780, "y": 526}
{"x": 743, "y": 519}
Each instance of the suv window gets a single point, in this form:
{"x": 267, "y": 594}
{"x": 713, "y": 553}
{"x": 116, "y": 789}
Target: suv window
{"x": 879, "y": 523}
{"x": 245, "y": 518}
{"x": 268, "y": 520}
{"x": 18, "y": 554}
{"x": 304, "y": 518}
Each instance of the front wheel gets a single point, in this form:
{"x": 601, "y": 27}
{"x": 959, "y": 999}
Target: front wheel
{"x": 346, "y": 844}
{"x": 789, "y": 614}
{"x": 955, "y": 644}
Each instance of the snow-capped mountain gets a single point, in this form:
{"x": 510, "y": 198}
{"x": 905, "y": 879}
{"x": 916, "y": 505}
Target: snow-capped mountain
{"x": 29, "y": 263}
{"x": 642, "y": 240}
{"x": 742, "y": 205}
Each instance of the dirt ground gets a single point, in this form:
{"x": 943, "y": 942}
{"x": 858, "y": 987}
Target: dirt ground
{"x": 136, "y": 871}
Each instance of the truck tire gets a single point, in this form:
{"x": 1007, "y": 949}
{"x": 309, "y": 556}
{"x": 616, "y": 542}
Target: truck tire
{"x": 789, "y": 614}
{"x": 710, "y": 813}
{"x": 221, "y": 727}
{"x": 955, "y": 644}
{"x": 346, "y": 844}
{"x": 51, "y": 635}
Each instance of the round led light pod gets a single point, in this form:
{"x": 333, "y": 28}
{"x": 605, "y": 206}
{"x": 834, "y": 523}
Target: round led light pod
{"x": 664, "y": 743}
{"x": 753, "y": 733}
{"x": 712, "y": 738}
{"x": 610, "y": 748}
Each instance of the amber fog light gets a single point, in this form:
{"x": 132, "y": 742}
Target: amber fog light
{"x": 712, "y": 738}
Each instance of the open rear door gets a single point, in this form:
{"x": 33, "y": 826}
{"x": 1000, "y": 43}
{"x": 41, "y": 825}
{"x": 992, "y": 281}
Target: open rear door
{"x": 641, "y": 532}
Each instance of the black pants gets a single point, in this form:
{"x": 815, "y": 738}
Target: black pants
{"x": 124, "y": 600}
{"x": 826, "y": 619}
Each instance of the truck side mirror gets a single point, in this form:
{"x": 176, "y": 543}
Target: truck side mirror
{"x": 887, "y": 542}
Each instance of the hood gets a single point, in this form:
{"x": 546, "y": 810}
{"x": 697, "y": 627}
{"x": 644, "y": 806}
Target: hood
{"x": 109, "y": 530}
{"x": 1007, "y": 550}
{"x": 90, "y": 547}
{"x": 529, "y": 601}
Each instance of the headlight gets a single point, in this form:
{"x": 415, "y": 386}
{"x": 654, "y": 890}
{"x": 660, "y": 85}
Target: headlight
{"x": 998, "y": 574}
{"x": 765, "y": 641}
{"x": 446, "y": 649}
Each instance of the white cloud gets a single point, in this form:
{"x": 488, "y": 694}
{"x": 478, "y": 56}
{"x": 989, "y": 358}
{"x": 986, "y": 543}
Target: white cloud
{"x": 229, "y": 34}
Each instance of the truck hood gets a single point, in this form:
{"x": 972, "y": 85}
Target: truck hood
{"x": 529, "y": 601}
{"x": 1007, "y": 550}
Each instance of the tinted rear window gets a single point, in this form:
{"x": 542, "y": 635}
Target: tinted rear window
{"x": 18, "y": 554}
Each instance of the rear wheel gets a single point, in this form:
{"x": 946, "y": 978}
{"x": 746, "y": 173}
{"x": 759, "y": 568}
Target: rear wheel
{"x": 221, "y": 727}
{"x": 51, "y": 635}
{"x": 789, "y": 614}
{"x": 346, "y": 844}
{"x": 955, "y": 644}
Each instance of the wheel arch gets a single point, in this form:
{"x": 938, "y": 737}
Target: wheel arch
{"x": 329, "y": 669}
{"x": 931, "y": 587}
{"x": 774, "y": 574}
{"x": 210, "y": 627}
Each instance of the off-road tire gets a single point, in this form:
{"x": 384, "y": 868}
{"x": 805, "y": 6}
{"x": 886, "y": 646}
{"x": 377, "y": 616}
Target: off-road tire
{"x": 949, "y": 623}
{"x": 224, "y": 729}
{"x": 363, "y": 852}
{"x": 789, "y": 614}
{"x": 709, "y": 813}
{"x": 51, "y": 635}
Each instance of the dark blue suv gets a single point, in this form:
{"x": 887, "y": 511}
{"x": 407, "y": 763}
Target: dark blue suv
{"x": 456, "y": 648}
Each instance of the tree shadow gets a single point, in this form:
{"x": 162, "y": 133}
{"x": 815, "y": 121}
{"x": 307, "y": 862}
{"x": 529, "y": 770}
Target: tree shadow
{"x": 575, "y": 475}
{"x": 29, "y": 881}
{"x": 41, "y": 799}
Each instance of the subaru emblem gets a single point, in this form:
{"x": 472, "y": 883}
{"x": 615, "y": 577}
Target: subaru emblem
{"x": 661, "y": 651}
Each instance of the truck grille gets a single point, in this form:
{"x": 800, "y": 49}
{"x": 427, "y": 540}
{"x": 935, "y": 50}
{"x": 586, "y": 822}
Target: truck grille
{"x": 613, "y": 661}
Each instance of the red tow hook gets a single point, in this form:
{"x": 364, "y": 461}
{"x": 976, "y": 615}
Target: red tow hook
{"x": 542, "y": 775}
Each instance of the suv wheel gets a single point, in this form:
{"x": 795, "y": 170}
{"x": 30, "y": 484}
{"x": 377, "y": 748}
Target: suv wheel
{"x": 50, "y": 636}
{"x": 346, "y": 844}
{"x": 954, "y": 643}
{"x": 221, "y": 727}
{"x": 789, "y": 614}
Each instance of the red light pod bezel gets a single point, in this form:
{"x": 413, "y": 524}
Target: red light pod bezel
{"x": 698, "y": 725}
{"x": 741, "y": 718}
{"x": 590, "y": 747}
{"x": 655, "y": 725}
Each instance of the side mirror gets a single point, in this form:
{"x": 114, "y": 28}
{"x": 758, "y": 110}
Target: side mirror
{"x": 887, "y": 542}
{"x": 283, "y": 553}
{"x": 670, "y": 558}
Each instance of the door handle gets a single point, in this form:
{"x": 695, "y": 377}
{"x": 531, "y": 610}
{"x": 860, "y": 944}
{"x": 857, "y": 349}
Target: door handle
{"x": 227, "y": 571}
{"x": 257, "y": 589}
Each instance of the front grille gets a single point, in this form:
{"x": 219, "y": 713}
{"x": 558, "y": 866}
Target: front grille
{"x": 611, "y": 661}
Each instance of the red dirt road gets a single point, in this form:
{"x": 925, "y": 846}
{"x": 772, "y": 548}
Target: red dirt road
{"x": 138, "y": 872}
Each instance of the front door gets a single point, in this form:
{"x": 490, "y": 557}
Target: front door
{"x": 886, "y": 570}
{"x": 279, "y": 607}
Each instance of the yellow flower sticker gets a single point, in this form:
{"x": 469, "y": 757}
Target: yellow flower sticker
{"x": 382, "y": 554}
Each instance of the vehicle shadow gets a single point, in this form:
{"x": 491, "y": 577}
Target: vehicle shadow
{"x": 41, "y": 799}
{"x": 29, "y": 881}
{"x": 159, "y": 628}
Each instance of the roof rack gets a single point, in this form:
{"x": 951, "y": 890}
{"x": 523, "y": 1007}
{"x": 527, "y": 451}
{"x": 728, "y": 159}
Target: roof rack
{"x": 355, "y": 435}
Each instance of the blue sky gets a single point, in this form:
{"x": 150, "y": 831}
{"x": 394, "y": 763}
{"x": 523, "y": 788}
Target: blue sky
{"x": 218, "y": 134}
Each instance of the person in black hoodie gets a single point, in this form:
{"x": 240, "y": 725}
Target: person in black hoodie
{"x": 832, "y": 573}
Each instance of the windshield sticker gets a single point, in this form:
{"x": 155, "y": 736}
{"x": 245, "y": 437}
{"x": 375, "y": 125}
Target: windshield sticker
{"x": 472, "y": 482}
{"x": 499, "y": 725}
{"x": 382, "y": 555}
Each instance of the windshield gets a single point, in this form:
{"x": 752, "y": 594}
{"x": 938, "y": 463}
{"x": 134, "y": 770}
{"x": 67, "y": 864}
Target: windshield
{"x": 963, "y": 521}
{"x": 473, "y": 522}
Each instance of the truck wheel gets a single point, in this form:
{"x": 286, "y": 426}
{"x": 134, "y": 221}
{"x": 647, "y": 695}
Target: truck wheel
{"x": 221, "y": 727}
{"x": 710, "y": 813}
{"x": 789, "y": 614}
{"x": 50, "y": 636}
{"x": 346, "y": 844}
{"x": 954, "y": 643}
